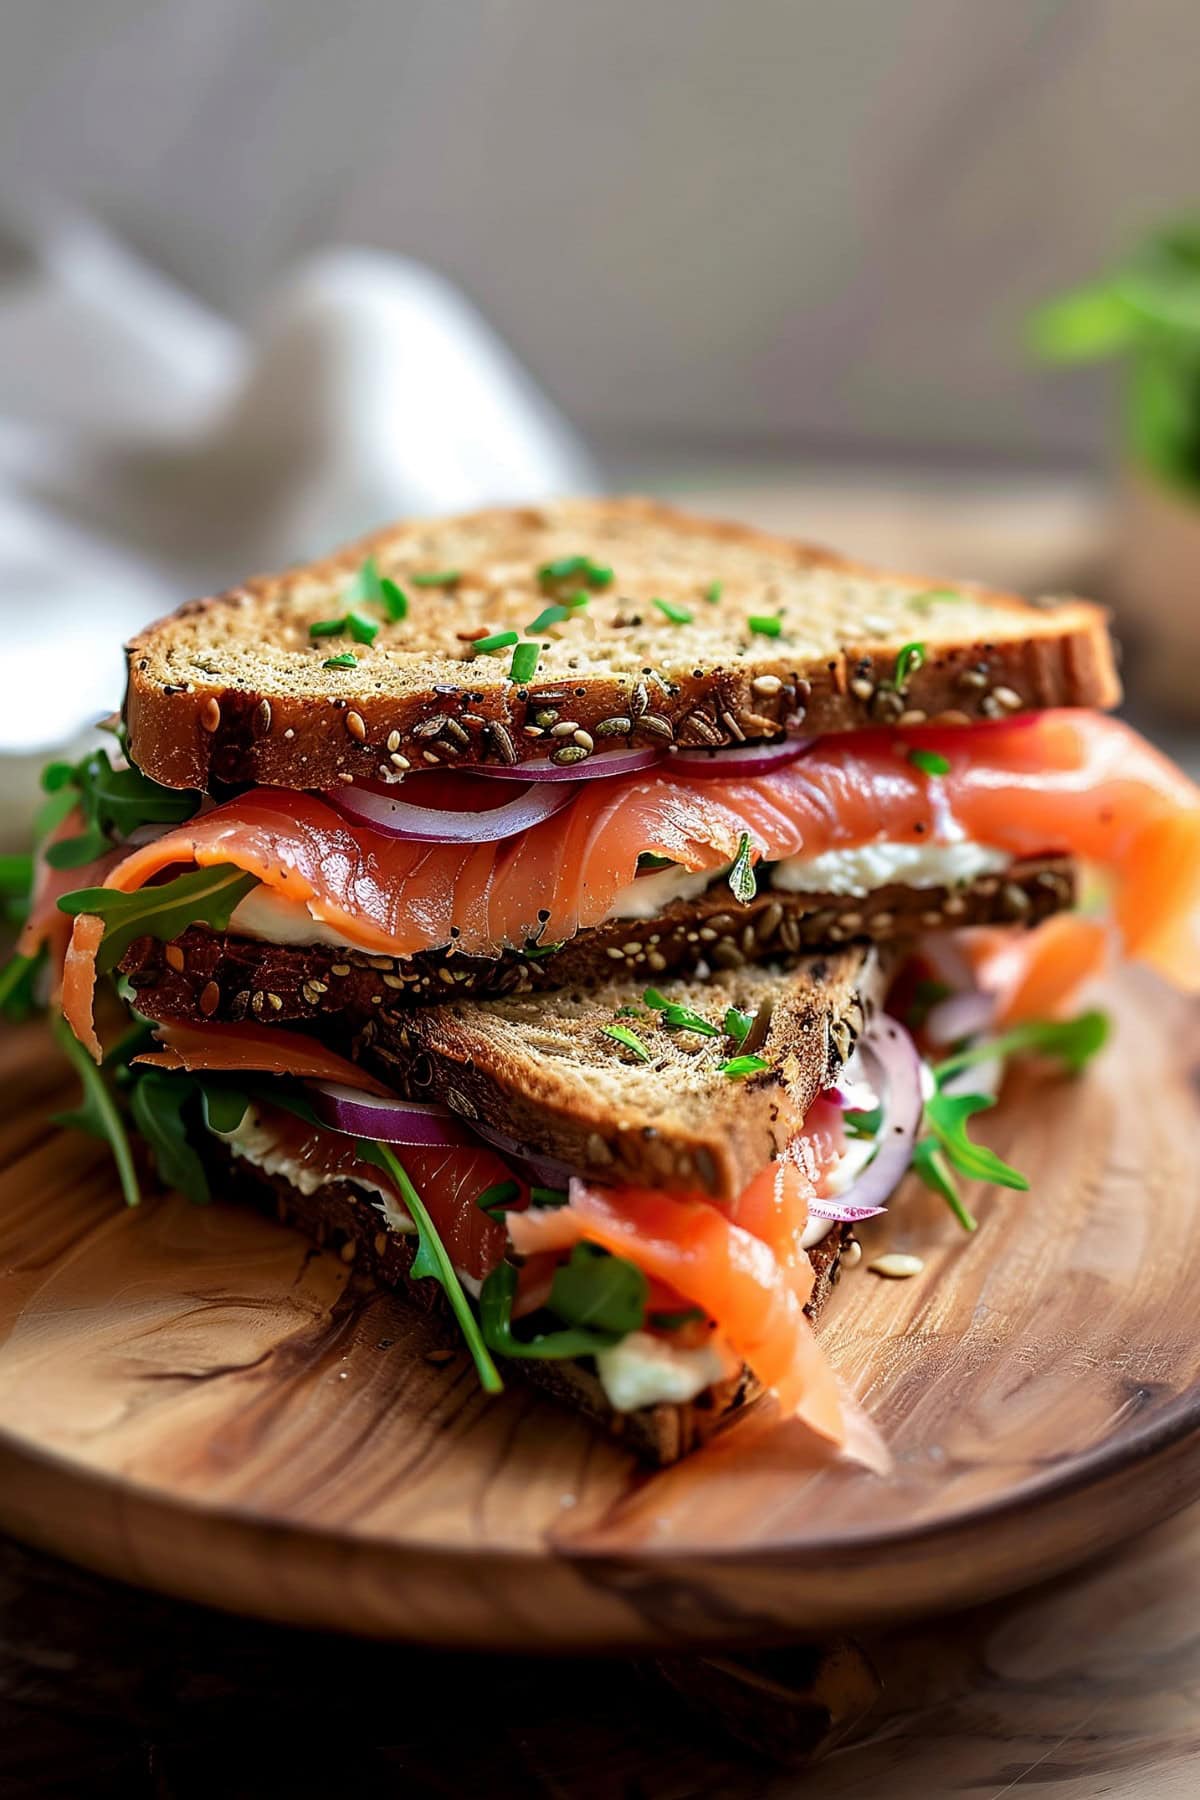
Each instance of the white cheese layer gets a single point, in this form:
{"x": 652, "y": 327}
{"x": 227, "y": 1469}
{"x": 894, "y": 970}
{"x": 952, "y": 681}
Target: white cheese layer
{"x": 258, "y": 1144}
{"x": 650, "y": 895}
{"x": 648, "y": 1371}
{"x": 856, "y": 872}
{"x": 263, "y": 914}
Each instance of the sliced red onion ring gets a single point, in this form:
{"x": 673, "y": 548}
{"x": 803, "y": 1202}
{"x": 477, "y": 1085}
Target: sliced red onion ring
{"x": 895, "y": 1069}
{"x": 605, "y": 762}
{"x": 960, "y": 1015}
{"x": 742, "y": 759}
{"x": 391, "y": 1121}
{"x": 547, "y": 1171}
{"x": 440, "y": 825}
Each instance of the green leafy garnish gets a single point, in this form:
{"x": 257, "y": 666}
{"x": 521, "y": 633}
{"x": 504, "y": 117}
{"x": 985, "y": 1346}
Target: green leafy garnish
{"x": 18, "y": 978}
{"x": 99, "y": 1114}
{"x": 432, "y": 1260}
{"x": 910, "y": 659}
{"x": 678, "y": 615}
{"x": 549, "y": 615}
{"x": 495, "y": 1314}
{"x": 930, "y": 1165}
{"x": 741, "y": 878}
{"x": 926, "y": 995}
{"x": 671, "y": 1321}
{"x": 16, "y": 876}
{"x": 630, "y": 1039}
{"x": 598, "y": 1290}
{"x": 496, "y": 1198}
{"x": 524, "y": 663}
{"x": 345, "y": 661}
{"x": 765, "y": 624}
{"x": 861, "y": 1123}
{"x": 393, "y": 599}
{"x": 568, "y": 568}
{"x": 370, "y": 588}
{"x": 713, "y": 591}
{"x": 114, "y": 802}
{"x": 157, "y": 1102}
{"x": 930, "y": 762}
{"x": 738, "y": 1067}
{"x": 649, "y": 859}
{"x": 679, "y": 1018}
{"x": 202, "y": 897}
{"x": 737, "y": 1024}
{"x": 496, "y": 640}
{"x": 546, "y": 1196}
{"x": 323, "y": 628}
{"x": 1071, "y": 1041}
{"x": 363, "y": 631}
{"x": 437, "y": 578}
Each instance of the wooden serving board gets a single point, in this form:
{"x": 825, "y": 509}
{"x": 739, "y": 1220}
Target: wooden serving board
{"x": 195, "y": 1400}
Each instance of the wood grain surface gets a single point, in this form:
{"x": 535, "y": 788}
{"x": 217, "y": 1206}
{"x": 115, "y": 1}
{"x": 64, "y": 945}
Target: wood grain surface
{"x": 194, "y": 1400}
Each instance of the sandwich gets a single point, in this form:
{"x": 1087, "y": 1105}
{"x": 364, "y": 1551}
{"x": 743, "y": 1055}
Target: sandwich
{"x": 589, "y": 914}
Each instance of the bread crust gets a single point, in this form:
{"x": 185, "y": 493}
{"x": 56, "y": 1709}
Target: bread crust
{"x": 342, "y": 1219}
{"x": 231, "y": 689}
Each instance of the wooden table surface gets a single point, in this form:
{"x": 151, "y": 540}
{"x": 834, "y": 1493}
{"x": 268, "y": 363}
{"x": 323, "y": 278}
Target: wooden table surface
{"x": 1087, "y": 1686}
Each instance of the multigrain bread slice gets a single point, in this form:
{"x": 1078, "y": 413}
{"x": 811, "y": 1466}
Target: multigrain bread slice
{"x": 706, "y": 634}
{"x": 649, "y": 1106}
{"x": 218, "y": 975}
{"x": 342, "y": 1219}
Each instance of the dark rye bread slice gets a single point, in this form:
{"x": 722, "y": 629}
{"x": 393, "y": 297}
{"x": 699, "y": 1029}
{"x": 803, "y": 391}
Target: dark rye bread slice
{"x": 341, "y": 1218}
{"x": 233, "y": 689}
{"x": 221, "y": 976}
{"x": 547, "y": 1072}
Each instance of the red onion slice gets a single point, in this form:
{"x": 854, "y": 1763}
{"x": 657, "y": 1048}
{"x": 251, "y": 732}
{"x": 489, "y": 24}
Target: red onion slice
{"x": 895, "y": 1069}
{"x": 395, "y": 818}
{"x": 960, "y": 1015}
{"x": 593, "y": 768}
{"x": 389, "y": 1121}
{"x": 741, "y": 760}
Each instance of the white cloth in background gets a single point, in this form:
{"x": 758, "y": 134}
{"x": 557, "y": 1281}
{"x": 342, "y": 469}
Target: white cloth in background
{"x": 150, "y": 451}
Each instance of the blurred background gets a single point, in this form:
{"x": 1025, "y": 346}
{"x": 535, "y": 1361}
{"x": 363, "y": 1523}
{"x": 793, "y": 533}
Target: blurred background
{"x": 778, "y": 257}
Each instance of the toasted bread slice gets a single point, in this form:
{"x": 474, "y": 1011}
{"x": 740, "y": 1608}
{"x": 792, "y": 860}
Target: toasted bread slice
{"x": 342, "y": 1219}
{"x": 705, "y": 634}
{"x": 221, "y": 976}
{"x": 651, "y": 1106}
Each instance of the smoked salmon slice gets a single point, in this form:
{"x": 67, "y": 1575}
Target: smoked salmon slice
{"x": 243, "y": 1049}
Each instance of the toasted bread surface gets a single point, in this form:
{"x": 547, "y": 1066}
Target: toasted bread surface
{"x": 706, "y": 633}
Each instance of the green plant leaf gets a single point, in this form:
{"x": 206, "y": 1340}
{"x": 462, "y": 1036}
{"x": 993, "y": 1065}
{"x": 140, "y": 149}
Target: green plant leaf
{"x": 18, "y": 980}
{"x": 741, "y": 878}
{"x": 1087, "y": 325}
{"x": 495, "y": 1313}
{"x": 600, "y": 1291}
{"x": 946, "y": 1116}
{"x": 202, "y": 897}
{"x": 99, "y": 1115}
{"x": 738, "y": 1067}
{"x": 737, "y": 1024}
{"x": 679, "y": 1018}
{"x": 1072, "y": 1042}
{"x": 630, "y": 1039}
{"x": 157, "y": 1105}
{"x": 930, "y": 1165}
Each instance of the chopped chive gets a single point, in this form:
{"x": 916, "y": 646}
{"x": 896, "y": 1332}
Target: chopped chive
{"x": 910, "y": 659}
{"x": 495, "y": 1198}
{"x": 630, "y": 1039}
{"x": 363, "y": 631}
{"x": 599, "y": 575}
{"x": 524, "y": 663}
{"x": 548, "y": 1196}
{"x": 327, "y": 628}
{"x": 713, "y": 591}
{"x": 393, "y": 599}
{"x": 678, "y": 615}
{"x": 765, "y": 624}
{"x": 738, "y": 1067}
{"x": 574, "y": 600}
{"x": 930, "y": 762}
{"x": 437, "y": 578}
{"x": 741, "y": 877}
{"x": 344, "y": 661}
{"x": 737, "y": 1024}
{"x": 564, "y": 568}
{"x": 679, "y": 1018}
{"x": 499, "y": 640}
{"x": 549, "y": 615}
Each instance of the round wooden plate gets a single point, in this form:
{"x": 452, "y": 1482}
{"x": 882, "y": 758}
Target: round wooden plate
{"x": 193, "y": 1399}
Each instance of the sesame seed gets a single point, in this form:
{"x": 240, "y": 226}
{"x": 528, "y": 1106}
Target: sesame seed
{"x": 393, "y": 741}
{"x": 1007, "y": 698}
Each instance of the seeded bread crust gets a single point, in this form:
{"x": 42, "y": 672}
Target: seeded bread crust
{"x": 207, "y": 975}
{"x": 342, "y": 1219}
{"x": 233, "y": 689}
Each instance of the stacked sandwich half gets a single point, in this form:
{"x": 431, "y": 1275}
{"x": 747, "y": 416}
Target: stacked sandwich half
{"x": 595, "y": 912}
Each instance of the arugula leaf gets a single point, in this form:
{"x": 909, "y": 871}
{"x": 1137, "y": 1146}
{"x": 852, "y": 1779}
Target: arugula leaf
{"x": 114, "y": 802}
{"x": 741, "y": 878}
{"x": 679, "y": 1018}
{"x": 18, "y": 978}
{"x": 738, "y": 1067}
{"x": 495, "y": 1314}
{"x": 1073, "y": 1041}
{"x": 157, "y": 1103}
{"x": 946, "y": 1116}
{"x": 598, "y": 1290}
{"x": 930, "y": 1166}
{"x": 737, "y": 1024}
{"x": 630, "y": 1039}
{"x": 862, "y": 1124}
{"x": 431, "y": 1260}
{"x": 99, "y": 1114}
{"x": 499, "y": 1195}
{"x": 204, "y": 896}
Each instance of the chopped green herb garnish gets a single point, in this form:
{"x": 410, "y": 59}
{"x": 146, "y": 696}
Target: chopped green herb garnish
{"x": 713, "y": 591}
{"x": 322, "y": 628}
{"x": 393, "y": 599}
{"x": 345, "y": 661}
{"x": 202, "y": 897}
{"x": 630, "y": 1039}
{"x": 765, "y": 624}
{"x": 910, "y": 659}
{"x": 930, "y": 762}
{"x": 671, "y": 1321}
{"x": 678, "y": 615}
{"x": 737, "y": 1024}
{"x": 495, "y": 1314}
{"x": 679, "y": 1018}
{"x": 1072, "y": 1041}
{"x": 741, "y": 878}
{"x": 549, "y": 615}
{"x": 363, "y": 631}
{"x": 99, "y": 1115}
{"x": 547, "y": 1196}
{"x": 599, "y": 1290}
{"x": 432, "y": 1260}
{"x": 437, "y": 578}
{"x": 496, "y": 1198}
{"x": 568, "y": 568}
{"x": 497, "y": 640}
{"x": 738, "y": 1067}
{"x": 524, "y": 662}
